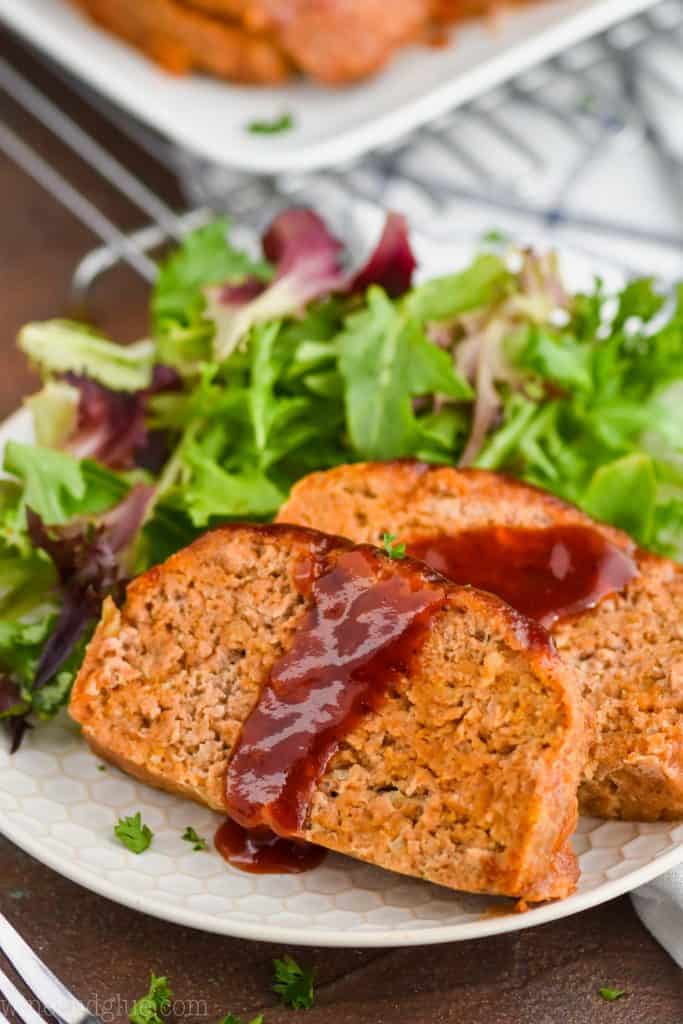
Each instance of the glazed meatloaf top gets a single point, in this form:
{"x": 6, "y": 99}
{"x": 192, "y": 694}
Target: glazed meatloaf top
{"x": 628, "y": 649}
{"x": 463, "y": 773}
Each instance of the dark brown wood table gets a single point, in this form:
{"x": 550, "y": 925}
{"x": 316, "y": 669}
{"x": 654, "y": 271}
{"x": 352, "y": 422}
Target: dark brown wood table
{"x": 104, "y": 952}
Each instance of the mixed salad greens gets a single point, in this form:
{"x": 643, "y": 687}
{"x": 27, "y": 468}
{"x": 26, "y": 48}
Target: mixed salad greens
{"x": 260, "y": 370}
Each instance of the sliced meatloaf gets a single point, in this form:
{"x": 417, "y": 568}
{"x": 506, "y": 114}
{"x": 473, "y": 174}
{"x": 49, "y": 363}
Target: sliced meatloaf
{"x": 333, "y": 41}
{"x": 628, "y": 649}
{"x": 464, "y": 773}
{"x": 182, "y": 39}
{"x": 264, "y": 40}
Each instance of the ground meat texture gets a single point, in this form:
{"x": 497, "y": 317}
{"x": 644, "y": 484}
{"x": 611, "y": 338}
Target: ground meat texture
{"x": 465, "y": 774}
{"x": 628, "y": 650}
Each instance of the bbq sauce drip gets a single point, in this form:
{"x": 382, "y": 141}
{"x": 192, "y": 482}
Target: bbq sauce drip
{"x": 366, "y": 623}
{"x": 547, "y": 574}
{"x": 264, "y": 853}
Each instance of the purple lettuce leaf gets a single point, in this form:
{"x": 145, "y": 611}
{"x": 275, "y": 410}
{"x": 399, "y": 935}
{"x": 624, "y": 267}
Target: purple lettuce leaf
{"x": 309, "y": 265}
{"x": 90, "y": 559}
{"x": 308, "y": 261}
{"x": 391, "y": 264}
{"x": 10, "y": 696}
{"x": 11, "y": 713}
{"x": 111, "y": 424}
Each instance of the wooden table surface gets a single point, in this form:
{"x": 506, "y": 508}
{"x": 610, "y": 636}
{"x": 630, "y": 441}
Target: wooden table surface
{"x": 547, "y": 975}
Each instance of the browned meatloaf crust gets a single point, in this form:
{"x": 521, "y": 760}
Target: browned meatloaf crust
{"x": 182, "y": 39}
{"x": 334, "y": 41}
{"x": 628, "y": 650}
{"x": 263, "y": 40}
{"x": 465, "y": 776}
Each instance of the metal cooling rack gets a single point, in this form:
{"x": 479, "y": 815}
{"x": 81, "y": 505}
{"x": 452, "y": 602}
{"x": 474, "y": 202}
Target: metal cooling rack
{"x": 522, "y": 153}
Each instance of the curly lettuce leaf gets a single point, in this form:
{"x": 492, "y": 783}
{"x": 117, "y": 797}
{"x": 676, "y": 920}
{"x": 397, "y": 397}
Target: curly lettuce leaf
{"x": 213, "y": 491}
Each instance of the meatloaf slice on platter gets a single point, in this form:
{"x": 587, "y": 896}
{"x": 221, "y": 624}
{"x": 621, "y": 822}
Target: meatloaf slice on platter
{"x": 628, "y": 648}
{"x": 181, "y": 39}
{"x": 337, "y": 695}
{"x": 264, "y": 41}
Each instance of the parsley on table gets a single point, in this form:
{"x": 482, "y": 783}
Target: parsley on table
{"x": 231, "y": 1019}
{"x": 283, "y": 123}
{"x": 134, "y": 835}
{"x": 151, "y": 1008}
{"x": 293, "y": 984}
{"x": 392, "y": 547}
{"x": 611, "y": 994}
{"x": 198, "y": 842}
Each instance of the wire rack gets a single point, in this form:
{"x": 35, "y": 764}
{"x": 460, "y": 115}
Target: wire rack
{"x": 526, "y": 155}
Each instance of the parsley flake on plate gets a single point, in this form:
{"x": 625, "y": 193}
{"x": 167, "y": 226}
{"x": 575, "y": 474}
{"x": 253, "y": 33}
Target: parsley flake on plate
{"x": 152, "y": 1008}
{"x": 134, "y": 835}
{"x": 283, "y": 123}
{"x": 612, "y": 994}
{"x": 392, "y": 547}
{"x": 293, "y": 983}
{"x": 198, "y": 842}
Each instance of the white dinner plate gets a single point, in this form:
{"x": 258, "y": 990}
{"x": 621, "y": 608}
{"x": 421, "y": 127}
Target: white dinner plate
{"x": 58, "y": 805}
{"x": 331, "y": 125}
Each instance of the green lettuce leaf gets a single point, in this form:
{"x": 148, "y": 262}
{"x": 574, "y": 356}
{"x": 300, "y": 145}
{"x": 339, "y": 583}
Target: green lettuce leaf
{"x": 204, "y": 258}
{"x": 59, "y": 346}
{"x": 484, "y": 282}
{"x": 213, "y": 492}
{"x": 553, "y": 356}
{"x": 624, "y": 493}
{"x": 386, "y": 360}
{"x": 57, "y": 486}
{"x": 54, "y": 410}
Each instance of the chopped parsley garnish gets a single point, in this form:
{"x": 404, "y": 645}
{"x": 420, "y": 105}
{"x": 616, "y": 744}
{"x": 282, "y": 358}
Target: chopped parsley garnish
{"x": 392, "y": 547}
{"x": 293, "y": 984}
{"x": 135, "y": 836}
{"x": 283, "y": 123}
{"x": 611, "y": 994}
{"x": 152, "y": 1008}
{"x": 231, "y": 1019}
{"x": 101, "y": 767}
{"x": 198, "y": 842}
{"x": 495, "y": 237}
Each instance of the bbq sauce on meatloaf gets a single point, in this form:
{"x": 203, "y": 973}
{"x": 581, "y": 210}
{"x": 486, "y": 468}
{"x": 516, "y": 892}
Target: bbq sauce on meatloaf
{"x": 547, "y": 574}
{"x": 362, "y": 628}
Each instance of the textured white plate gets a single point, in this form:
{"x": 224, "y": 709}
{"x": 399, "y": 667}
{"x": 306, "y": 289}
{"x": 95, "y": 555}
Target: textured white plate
{"x": 332, "y": 125}
{"x": 58, "y": 805}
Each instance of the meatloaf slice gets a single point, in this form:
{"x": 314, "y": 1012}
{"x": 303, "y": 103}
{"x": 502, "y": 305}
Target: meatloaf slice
{"x": 334, "y": 41}
{"x": 183, "y": 39}
{"x": 464, "y": 774}
{"x": 264, "y": 41}
{"x": 628, "y": 650}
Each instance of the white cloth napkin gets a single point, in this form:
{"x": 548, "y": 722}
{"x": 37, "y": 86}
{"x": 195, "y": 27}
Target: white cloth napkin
{"x": 659, "y": 906}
